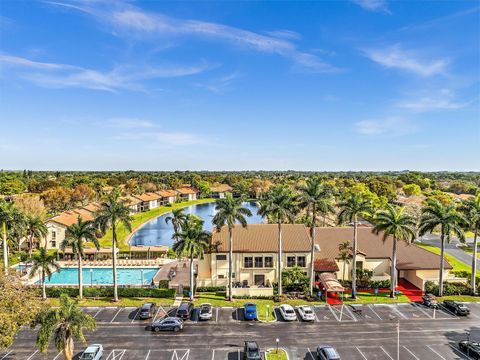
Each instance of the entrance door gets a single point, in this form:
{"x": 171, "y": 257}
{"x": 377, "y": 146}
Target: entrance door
{"x": 259, "y": 280}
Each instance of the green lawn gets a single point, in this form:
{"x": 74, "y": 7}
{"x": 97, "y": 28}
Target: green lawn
{"x": 470, "y": 251}
{"x": 274, "y": 355}
{"x": 457, "y": 265}
{"x": 466, "y": 298}
{"x": 138, "y": 220}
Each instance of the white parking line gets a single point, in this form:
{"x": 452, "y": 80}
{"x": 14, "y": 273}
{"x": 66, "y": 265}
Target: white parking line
{"x": 411, "y": 353}
{"x": 117, "y": 356}
{"x": 116, "y": 315}
{"x": 351, "y": 314}
{"x": 98, "y": 312}
{"x": 310, "y": 353}
{"x": 148, "y": 354}
{"x": 213, "y": 354}
{"x": 446, "y": 310}
{"x": 419, "y": 307}
{"x": 135, "y": 316}
{"x": 371, "y": 308}
{"x": 4, "y": 356}
{"x": 56, "y": 357}
{"x": 216, "y": 318}
{"x": 238, "y": 354}
{"x": 361, "y": 353}
{"x": 333, "y": 312}
{"x": 440, "y": 356}
{"x": 156, "y": 314}
{"x": 381, "y": 347}
{"x": 398, "y": 312}
{"x": 32, "y": 355}
{"x": 462, "y": 355}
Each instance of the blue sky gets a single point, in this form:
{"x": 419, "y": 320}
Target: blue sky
{"x": 321, "y": 85}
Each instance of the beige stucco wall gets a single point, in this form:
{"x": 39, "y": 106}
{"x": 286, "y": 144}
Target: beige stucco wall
{"x": 60, "y": 234}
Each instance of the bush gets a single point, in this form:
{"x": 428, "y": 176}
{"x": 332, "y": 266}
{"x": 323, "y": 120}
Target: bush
{"x": 448, "y": 288}
{"x": 108, "y": 292}
{"x": 210, "y": 288}
{"x": 254, "y": 297}
{"x": 163, "y": 284}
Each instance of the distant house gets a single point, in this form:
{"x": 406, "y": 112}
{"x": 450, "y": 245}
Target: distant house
{"x": 219, "y": 191}
{"x": 187, "y": 193}
{"x": 133, "y": 203}
{"x": 167, "y": 196}
{"x": 148, "y": 201}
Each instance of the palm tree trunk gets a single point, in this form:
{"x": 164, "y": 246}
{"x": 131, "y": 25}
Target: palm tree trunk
{"x": 354, "y": 259}
{"x": 344, "y": 266}
{"x": 80, "y": 276}
{"x": 230, "y": 262}
{"x": 68, "y": 349}
{"x": 474, "y": 263}
{"x": 5, "y": 248}
{"x": 30, "y": 250}
{"x": 114, "y": 262}
{"x": 44, "y": 290}
{"x": 393, "y": 269}
{"x": 191, "y": 278}
{"x": 312, "y": 255}
{"x": 280, "y": 258}
{"x": 440, "y": 276}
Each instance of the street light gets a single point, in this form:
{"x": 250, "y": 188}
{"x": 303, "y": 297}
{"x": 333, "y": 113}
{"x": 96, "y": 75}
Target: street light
{"x": 277, "y": 340}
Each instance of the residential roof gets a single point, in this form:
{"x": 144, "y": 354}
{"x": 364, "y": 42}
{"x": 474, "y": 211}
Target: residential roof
{"x": 325, "y": 265}
{"x": 167, "y": 193}
{"x": 148, "y": 196}
{"x": 409, "y": 257}
{"x": 187, "y": 190}
{"x": 130, "y": 200}
{"x": 221, "y": 188}
{"x": 264, "y": 238}
{"x": 70, "y": 217}
{"x": 92, "y": 207}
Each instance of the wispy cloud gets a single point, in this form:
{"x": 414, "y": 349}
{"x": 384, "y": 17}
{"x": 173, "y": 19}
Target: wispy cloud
{"x": 407, "y": 60}
{"x": 220, "y": 85}
{"x": 55, "y": 75}
{"x": 162, "y": 138}
{"x": 391, "y": 126}
{"x": 128, "y": 123}
{"x": 443, "y": 100}
{"x": 373, "y": 5}
{"x": 131, "y": 21}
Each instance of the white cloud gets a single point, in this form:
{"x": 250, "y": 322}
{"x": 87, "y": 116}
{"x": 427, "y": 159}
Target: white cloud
{"x": 162, "y": 138}
{"x": 218, "y": 86}
{"x": 53, "y": 75}
{"x": 391, "y": 126}
{"x": 442, "y": 100}
{"x": 128, "y": 20}
{"x": 396, "y": 57}
{"x": 128, "y": 123}
{"x": 372, "y": 5}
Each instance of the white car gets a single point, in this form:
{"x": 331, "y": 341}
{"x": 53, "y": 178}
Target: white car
{"x": 287, "y": 312}
{"x": 306, "y": 313}
{"x": 205, "y": 311}
{"x": 93, "y": 352}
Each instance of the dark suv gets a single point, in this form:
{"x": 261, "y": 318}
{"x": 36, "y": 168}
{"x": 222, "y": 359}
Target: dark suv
{"x": 456, "y": 307}
{"x": 429, "y": 300}
{"x": 185, "y": 310}
{"x": 147, "y": 311}
{"x": 251, "y": 351}
{"x": 471, "y": 348}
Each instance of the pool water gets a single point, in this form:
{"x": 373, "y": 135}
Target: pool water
{"x": 103, "y": 276}
{"x": 158, "y": 232}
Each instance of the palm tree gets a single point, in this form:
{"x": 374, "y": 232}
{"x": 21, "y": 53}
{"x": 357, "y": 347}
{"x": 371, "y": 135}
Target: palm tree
{"x": 471, "y": 211}
{"x": 191, "y": 241}
{"x": 44, "y": 262}
{"x": 315, "y": 198}
{"x": 394, "y": 222}
{"x": 113, "y": 212}
{"x": 345, "y": 254}
{"x": 35, "y": 229}
{"x": 63, "y": 325}
{"x": 351, "y": 209}
{"x": 230, "y": 211}
{"x": 76, "y": 235}
{"x": 445, "y": 217}
{"x": 279, "y": 205}
{"x": 177, "y": 219}
{"x": 12, "y": 222}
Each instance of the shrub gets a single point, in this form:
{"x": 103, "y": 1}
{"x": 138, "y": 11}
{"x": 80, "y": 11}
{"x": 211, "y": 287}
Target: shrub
{"x": 108, "y": 292}
{"x": 163, "y": 284}
{"x": 210, "y": 288}
{"x": 448, "y": 288}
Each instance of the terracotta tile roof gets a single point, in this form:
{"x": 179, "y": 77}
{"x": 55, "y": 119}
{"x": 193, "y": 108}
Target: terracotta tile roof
{"x": 221, "y": 188}
{"x": 325, "y": 265}
{"x": 130, "y": 200}
{"x": 264, "y": 238}
{"x": 84, "y": 214}
{"x": 409, "y": 257}
{"x": 148, "y": 196}
{"x": 187, "y": 190}
{"x": 70, "y": 217}
{"x": 92, "y": 207}
{"x": 167, "y": 193}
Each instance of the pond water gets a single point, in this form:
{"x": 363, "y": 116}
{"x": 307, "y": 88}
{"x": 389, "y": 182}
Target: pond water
{"x": 158, "y": 232}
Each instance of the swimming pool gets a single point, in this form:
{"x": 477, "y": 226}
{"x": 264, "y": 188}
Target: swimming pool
{"x": 103, "y": 276}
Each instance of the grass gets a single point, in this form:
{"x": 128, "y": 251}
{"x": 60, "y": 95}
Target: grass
{"x": 138, "y": 220}
{"x": 457, "y": 264}
{"x": 274, "y": 355}
{"x": 370, "y": 298}
{"x": 137, "y": 301}
{"x": 462, "y": 298}
{"x": 470, "y": 251}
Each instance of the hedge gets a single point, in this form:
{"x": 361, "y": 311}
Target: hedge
{"x": 448, "y": 288}
{"x": 108, "y": 292}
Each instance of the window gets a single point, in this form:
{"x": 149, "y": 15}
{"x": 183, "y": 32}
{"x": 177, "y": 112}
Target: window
{"x": 268, "y": 261}
{"x": 301, "y": 261}
{"x": 248, "y": 262}
{"x": 221, "y": 276}
{"x": 359, "y": 264}
{"x": 221, "y": 257}
{"x": 54, "y": 235}
{"x": 258, "y": 262}
{"x": 53, "y": 244}
{"x": 291, "y": 261}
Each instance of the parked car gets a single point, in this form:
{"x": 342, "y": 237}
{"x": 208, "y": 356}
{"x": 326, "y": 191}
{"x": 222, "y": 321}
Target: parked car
{"x": 471, "y": 348}
{"x": 429, "y": 300}
{"x": 326, "y": 352}
{"x": 306, "y": 313}
{"x": 168, "y": 323}
{"x": 251, "y": 351}
{"x": 147, "y": 311}
{"x": 93, "y": 352}
{"x": 185, "y": 310}
{"x": 205, "y": 311}
{"x": 250, "y": 311}
{"x": 287, "y": 312}
{"x": 456, "y": 307}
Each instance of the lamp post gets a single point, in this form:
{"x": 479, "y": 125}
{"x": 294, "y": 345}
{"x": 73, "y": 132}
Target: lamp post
{"x": 91, "y": 277}
{"x": 277, "y": 340}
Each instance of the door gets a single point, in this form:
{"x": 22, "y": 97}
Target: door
{"x": 259, "y": 280}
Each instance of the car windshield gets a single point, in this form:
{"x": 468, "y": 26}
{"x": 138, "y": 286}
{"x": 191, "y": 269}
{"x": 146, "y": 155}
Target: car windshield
{"x": 307, "y": 311}
{"x": 205, "y": 309}
{"x": 87, "y": 356}
{"x": 332, "y": 353}
{"x": 289, "y": 311}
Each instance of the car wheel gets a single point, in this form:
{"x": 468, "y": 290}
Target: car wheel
{"x": 156, "y": 329}
{"x": 176, "y": 328}
{"x": 456, "y": 312}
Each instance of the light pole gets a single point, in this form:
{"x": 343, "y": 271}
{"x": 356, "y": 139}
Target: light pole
{"x": 277, "y": 340}
{"x": 91, "y": 277}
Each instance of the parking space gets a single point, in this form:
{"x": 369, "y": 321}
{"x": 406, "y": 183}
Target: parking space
{"x": 412, "y": 311}
{"x": 323, "y": 313}
{"x": 474, "y": 310}
{"x": 387, "y": 311}
{"x": 227, "y": 315}
{"x": 342, "y": 313}
{"x": 280, "y": 318}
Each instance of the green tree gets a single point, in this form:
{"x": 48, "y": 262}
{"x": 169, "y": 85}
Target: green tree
{"x": 446, "y": 218}
{"x": 315, "y": 199}
{"x": 75, "y": 237}
{"x": 295, "y": 279}
{"x": 111, "y": 213}
{"x": 394, "y": 222}
{"x": 44, "y": 262}
{"x": 177, "y": 219}
{"x": 351, "y": 210}
{"x": 230, "y": 211}
{"x": 191, "y": 241}
{"x": 63, "y": 325}
{"x": 10, "y": 185}
{"x": 345, "y": 254}
{"x": 36, "y": 230}
{"x": 471, "y": 213}
{"x": 278, "y": 204}
{"x": 412, "y": 190}
{"x": 12, "y": 223}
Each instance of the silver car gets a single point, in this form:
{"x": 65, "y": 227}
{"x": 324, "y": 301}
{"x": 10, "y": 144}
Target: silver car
{"x": 93, "y": 352}
{"x": 306, "y": 313}
{"x": 205, "y": 311}
{"x": 288, "y": 313}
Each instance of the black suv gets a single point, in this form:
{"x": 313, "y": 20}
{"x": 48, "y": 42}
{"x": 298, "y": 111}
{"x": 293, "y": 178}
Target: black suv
{"x": 251, "y": 351}
{"x": 185, "y": 310}
{"x": 429, "y": 300}
{"x": 147, "y": 311}
{"x": 456, "y": 307}
{"x": 471, "y": 348}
